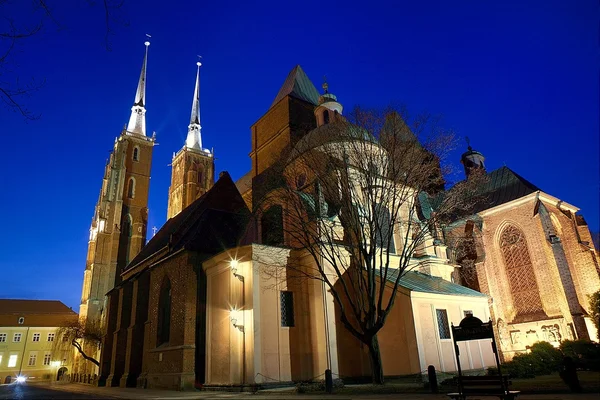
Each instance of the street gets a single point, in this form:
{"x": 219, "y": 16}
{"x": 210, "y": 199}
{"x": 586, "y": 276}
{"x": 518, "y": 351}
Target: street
{"x": 78, "y": 391}
{"x": 14, "y": 391}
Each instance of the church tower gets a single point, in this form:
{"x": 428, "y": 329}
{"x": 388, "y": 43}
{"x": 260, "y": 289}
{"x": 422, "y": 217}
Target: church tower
{"x": 472, "y": 160}
{"x": 118, "y": 230}
{"x": 193, "y": 167}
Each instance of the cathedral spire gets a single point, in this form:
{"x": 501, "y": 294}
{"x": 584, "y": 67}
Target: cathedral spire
{"x": 137, "y": 121}
{"x": 194, "y": 140}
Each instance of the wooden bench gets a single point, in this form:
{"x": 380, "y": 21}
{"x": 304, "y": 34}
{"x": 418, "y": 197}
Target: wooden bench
{"x": 483, "y": 386}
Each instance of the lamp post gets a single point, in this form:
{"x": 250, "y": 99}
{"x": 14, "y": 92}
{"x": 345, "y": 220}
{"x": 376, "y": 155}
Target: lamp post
{"x": 233, "y": 264}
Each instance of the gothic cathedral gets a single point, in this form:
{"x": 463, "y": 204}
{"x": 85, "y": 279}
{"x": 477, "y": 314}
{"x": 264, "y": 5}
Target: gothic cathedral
{"x": 119, "y": 226}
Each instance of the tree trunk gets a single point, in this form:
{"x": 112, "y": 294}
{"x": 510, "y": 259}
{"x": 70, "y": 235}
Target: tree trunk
{"x": 376, "y": 365}
{"x": 80, "y": 349}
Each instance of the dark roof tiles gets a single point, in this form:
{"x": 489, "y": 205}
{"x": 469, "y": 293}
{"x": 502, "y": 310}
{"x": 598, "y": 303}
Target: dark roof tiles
{"x": 18, "y": 306}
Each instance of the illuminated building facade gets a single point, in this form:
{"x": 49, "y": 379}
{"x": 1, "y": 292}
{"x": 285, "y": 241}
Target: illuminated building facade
{"x": 28, "y": 331}
{"x": 193, "y": 307}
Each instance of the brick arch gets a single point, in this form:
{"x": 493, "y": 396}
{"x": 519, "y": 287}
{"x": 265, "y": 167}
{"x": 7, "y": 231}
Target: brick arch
{"x": 519, "y": 271}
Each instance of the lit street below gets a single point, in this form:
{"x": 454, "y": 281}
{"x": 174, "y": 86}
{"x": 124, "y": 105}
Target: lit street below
{"x": 14, "y": 391}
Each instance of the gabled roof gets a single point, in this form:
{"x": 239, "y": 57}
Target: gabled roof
{"x": 18, "y": 306}
{"x": 504, "y": 185}
{"x": 298, "y": 85}
{"x": 213, "y": 222}
{"x": 419, "y": 282}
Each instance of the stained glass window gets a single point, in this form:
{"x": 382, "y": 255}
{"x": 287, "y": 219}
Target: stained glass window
{"x": 519, "y": 269}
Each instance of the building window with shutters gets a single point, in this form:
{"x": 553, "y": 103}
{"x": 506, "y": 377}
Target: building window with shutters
{"x": 287, "y": 308}
{"x": 443, "y": 326}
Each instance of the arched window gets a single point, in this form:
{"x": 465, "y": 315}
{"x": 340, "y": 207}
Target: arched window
{"x": 200, "y": 176}
{"x": 164, "y": 313}
{"x": 271, "y": 224}
{"x": 325, "y": 117}
{"x": 131, "y": 188}
{"x": 126, "y": 233}
{"x": 519, "y": 269}
{"x": 136, "y": 153}
{"x": 384, "y": 232}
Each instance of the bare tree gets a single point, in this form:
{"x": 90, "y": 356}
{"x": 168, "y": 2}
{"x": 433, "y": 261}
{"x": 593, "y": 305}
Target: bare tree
{"x": 84, "y": 336}
{"x": 21, "y": 22}
{"x": 363, "y": 196}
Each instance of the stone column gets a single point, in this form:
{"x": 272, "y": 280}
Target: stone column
{"x": 135, "y": 331}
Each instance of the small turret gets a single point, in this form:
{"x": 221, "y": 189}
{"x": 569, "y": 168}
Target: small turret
{"x": 328, "y": 109}
{"x": 472, "y": 160}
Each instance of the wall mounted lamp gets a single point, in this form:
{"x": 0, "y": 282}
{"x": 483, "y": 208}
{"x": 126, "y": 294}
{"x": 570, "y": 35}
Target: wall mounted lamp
{"x": 233, "y": 264}
{"x": 233, "y": 316}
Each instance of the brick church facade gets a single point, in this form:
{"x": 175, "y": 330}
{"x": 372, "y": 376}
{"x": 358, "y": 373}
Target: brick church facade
{"x": 166, "y": 305}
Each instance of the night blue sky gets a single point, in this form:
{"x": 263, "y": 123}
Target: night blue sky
{"x": 521, "y": 80}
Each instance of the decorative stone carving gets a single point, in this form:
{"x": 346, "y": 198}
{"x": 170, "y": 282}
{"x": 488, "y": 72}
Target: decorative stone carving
{"x": 532, "y": 336}
{"x": 515, "y": 337}
{"x": 552, "y": 333}
{"x": 505, "y": 338}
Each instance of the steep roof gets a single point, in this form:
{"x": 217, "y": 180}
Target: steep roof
{"x": 424, "y": 283}
{"x": 213, "y": 222}
{"x": 504, "y": 185}
{"x": 298, "y": 85}
{"x": 18, "y": 306}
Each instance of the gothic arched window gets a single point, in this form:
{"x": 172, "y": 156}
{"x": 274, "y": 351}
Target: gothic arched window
{"x": 384, "y": 232}
{"x": 131, "y": 188}
{"x": 325, "y": 117}
{"x": 271, "y": 225}
{"x": 519, "y": 269}
{"x": 136, "y": 153}
{"x": 164, "y": 313}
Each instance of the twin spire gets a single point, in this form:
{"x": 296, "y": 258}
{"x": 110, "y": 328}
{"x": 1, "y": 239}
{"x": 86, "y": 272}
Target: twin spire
{"x": 137, "y": 121}
{"x": 194, "y": 140}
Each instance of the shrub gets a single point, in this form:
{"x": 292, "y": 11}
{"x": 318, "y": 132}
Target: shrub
{"x": 595, "y": 310}
{"x": 542, "y": 359}
{"x": 585, "y": 353}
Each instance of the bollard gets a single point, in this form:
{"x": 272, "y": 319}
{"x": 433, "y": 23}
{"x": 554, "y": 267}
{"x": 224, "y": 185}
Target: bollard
{"x": 432, "y": 379}
{"x": 328, "y": 381}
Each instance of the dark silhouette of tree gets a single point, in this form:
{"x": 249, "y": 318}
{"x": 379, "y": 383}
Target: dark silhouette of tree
{"x": 360, "y": 197}
{"x": 18, "y": 26}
